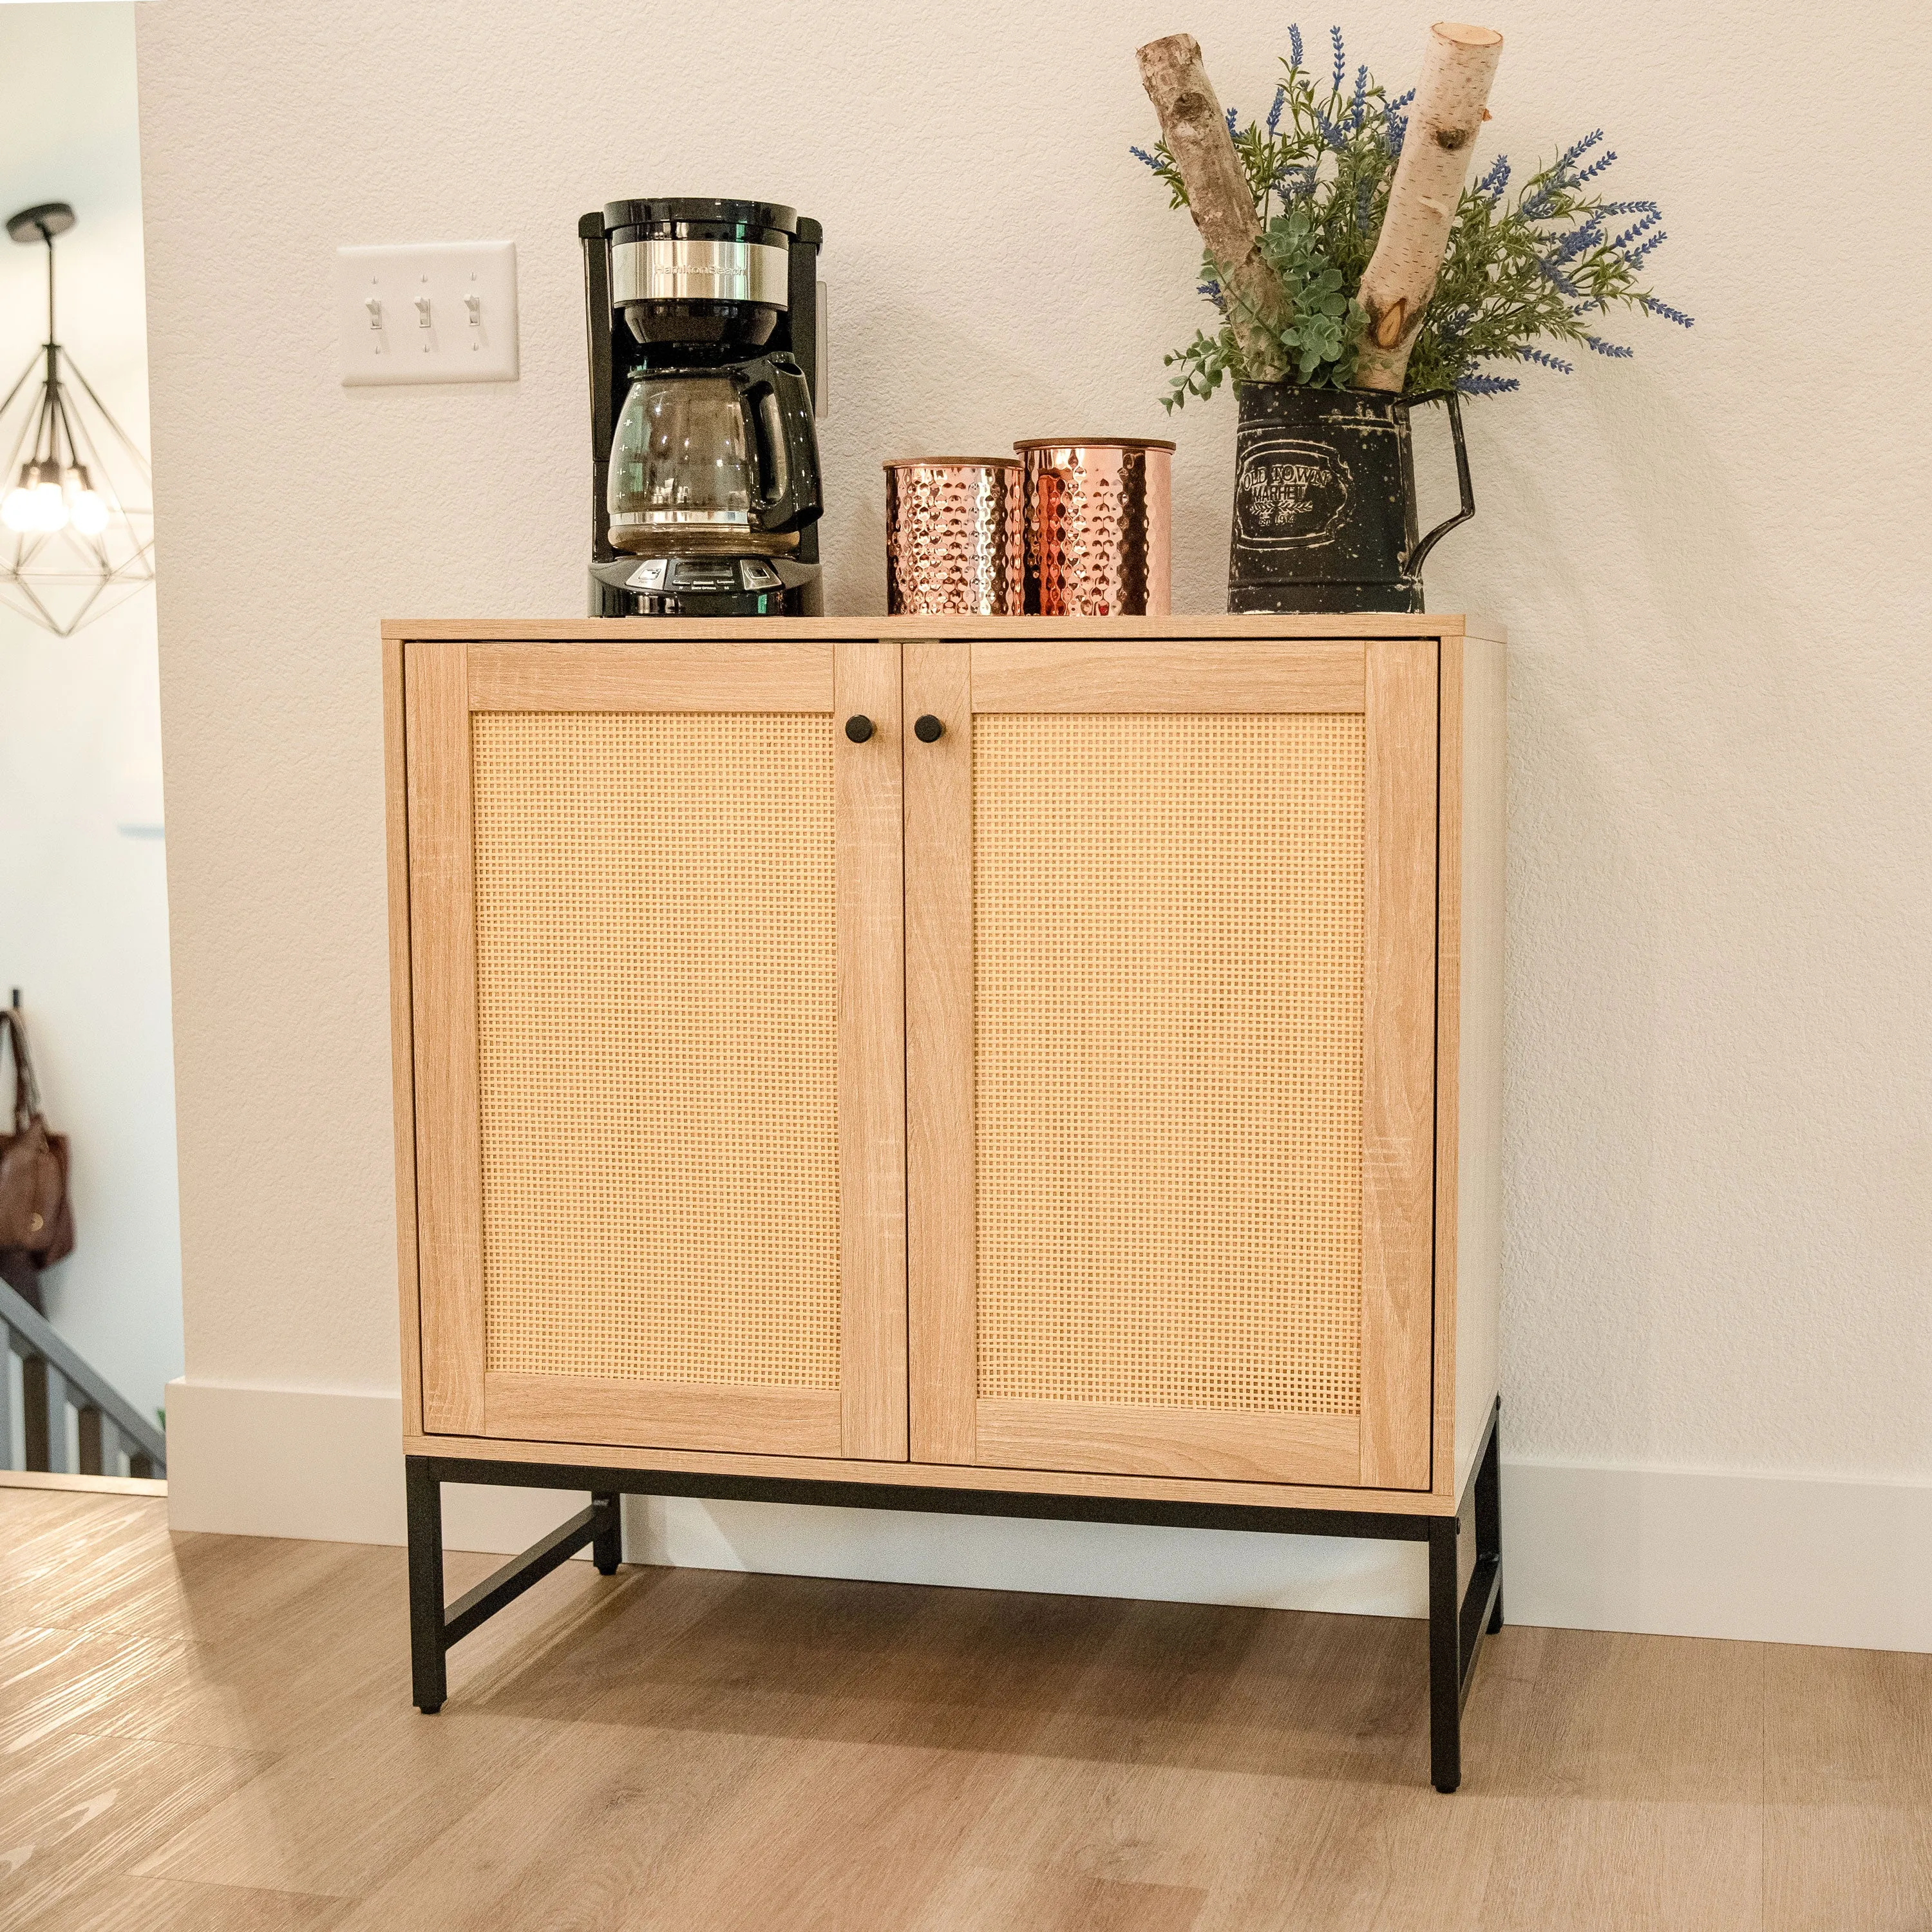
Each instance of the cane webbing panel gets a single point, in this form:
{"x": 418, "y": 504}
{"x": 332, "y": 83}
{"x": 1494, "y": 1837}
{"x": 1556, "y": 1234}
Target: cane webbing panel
{"x": 1168, "y": 960}
{"x": 656, "y": 1012}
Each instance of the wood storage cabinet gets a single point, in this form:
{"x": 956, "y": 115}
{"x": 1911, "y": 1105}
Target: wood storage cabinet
{"x": 1027, "y": 1054}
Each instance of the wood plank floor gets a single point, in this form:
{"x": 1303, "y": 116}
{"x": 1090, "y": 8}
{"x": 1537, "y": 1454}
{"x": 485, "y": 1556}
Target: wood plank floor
{"x": 208, "y": 1734}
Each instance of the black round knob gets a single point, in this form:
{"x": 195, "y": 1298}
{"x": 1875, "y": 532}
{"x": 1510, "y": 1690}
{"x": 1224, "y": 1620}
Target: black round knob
{"x": 858, "y": 729}
{"x": 928, "y": 730}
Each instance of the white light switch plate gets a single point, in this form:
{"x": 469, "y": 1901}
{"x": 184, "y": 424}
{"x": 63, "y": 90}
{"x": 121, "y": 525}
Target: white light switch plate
{"x": 444, "y": 312}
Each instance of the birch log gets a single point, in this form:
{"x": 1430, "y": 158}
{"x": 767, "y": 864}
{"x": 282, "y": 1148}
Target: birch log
{"x": 1196, "y": 131}
{"x": 1451, "y": 101}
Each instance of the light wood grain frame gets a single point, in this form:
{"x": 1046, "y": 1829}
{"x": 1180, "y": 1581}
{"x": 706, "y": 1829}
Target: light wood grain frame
{"x": 871, "y": 820}
{"x": 402, "y": 1028}
{"x": 1468, "y": 1032}
{"x": 1205, "y": 676}
{"x": 942, "y": 1330}
{"x": 1050, "y": 631}
{"x": 442, "y": 982}
{"x": 955, "y": 680}
{"x": 1449, "y": 740}
{"x": 888, "y": 1476}
{"x": 443, "y": 681}
{"x": 1399, "y": 1065}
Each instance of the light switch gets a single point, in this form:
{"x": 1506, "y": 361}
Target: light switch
{"x": 428, "y": 312}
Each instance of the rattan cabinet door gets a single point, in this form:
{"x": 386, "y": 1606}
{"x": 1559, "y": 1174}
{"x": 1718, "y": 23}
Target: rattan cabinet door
{"x": 655, "y": 969}
{"x": 1171, "y": 962}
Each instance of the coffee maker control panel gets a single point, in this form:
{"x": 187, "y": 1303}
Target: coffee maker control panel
{"x": 694, "y": 574}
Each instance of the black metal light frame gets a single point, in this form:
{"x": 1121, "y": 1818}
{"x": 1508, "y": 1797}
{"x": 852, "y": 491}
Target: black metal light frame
{"x": 1459, "y": 1619}
{"x": 121, "y": 557}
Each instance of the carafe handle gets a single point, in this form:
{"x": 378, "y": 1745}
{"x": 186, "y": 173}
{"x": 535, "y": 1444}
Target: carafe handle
{"x": 1412, "y": 564}
{"x": 796, "y": 502}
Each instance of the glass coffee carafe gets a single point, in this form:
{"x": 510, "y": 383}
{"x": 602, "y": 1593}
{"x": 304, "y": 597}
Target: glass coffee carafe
{"x": 714, "y": 460}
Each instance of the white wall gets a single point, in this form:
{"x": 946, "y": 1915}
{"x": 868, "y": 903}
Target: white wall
{"x": 83, "y": 907}
{"x": 1709, "y": 560}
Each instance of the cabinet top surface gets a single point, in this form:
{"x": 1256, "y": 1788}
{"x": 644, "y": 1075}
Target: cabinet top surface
{"x": 1041, "y": 630}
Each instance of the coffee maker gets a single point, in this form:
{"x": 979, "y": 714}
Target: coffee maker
{"x": 706, "y": 370}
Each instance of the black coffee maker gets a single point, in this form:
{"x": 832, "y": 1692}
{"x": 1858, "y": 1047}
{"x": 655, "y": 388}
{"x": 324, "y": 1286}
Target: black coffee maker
{"x": 706, "y": 373}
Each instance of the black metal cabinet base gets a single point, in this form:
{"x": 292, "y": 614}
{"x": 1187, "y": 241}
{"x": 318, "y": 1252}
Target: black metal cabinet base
{"x": 1458, "y": 1618}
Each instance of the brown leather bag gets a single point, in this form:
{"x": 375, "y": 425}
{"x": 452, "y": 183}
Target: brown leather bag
{"x": 36, "y": 1216}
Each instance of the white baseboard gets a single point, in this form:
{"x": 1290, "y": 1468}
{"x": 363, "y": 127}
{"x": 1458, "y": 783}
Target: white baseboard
{"x": 1675, "y": 1552}
{"x": 327, "y": 1468}
{"x": 1683, "y": 1553}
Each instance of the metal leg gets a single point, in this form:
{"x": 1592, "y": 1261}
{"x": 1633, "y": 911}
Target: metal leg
{"x": 1490, "y": 1514}
{"x": 1445, "y": 1658}
{"x": 607, "y": 1547}
{"x": 428, "y": 1667}
{"x": 434, "y": 1627}
{"x": 1458, "y": 1621}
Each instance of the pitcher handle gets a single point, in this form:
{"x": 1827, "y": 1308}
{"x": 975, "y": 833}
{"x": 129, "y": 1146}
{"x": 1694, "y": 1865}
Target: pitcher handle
{"x": 793, "y": 501}
{"x": 1413, "y": 566}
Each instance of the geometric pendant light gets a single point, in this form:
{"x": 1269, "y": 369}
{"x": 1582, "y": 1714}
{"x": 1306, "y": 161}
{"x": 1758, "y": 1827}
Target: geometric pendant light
{"x": 72, "y": 544}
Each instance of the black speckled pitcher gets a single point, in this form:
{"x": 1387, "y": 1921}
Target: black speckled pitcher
{"x": 1324, "y": 500}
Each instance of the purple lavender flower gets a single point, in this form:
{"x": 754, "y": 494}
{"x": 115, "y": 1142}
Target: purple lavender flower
{"x": 1583, "y": 248}
{"x": 1631, "y": 233}
{"x": 1553, "y": 274}
{"x": 1575, "y": 152}
{"x": 1585, "y": 236}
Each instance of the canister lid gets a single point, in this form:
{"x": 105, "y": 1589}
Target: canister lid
{"x": 953, "y": 463}
{"x": 1094, "y": 442}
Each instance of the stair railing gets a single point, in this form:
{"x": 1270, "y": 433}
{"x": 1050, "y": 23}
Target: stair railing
{"x": 53, "y": 1378}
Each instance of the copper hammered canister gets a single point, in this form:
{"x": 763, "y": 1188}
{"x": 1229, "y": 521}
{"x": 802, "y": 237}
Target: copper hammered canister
{"x": 1099, "y": 526}
{"x": 953, "y": 536}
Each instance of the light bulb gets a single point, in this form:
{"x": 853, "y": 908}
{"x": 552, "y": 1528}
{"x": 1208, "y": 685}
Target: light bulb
{"x": 49, "y": 508}
{"x": 17, "y": 510}
{"x": 90, "y": 513}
